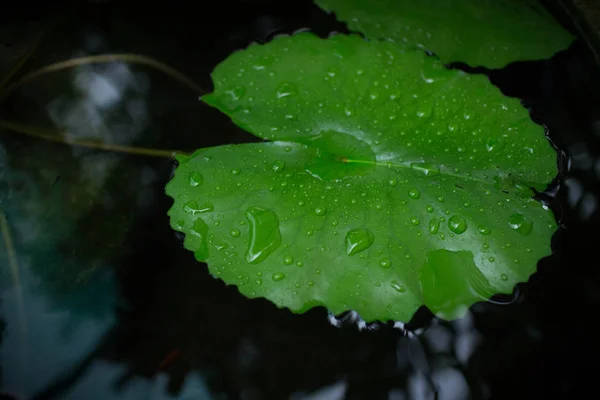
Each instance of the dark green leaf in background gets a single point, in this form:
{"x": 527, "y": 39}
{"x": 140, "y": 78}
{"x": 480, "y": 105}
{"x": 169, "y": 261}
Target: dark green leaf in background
{"x": 477, "y": 32}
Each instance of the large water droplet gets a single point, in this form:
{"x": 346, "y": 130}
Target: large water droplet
{"x": 177, "y": 225}
{"x": 332, "y": 71}
{"x": 286, "y": 89}
{"x": 192, "y": 207}
{"x": 206, "y": 207}
{"x": 278, "y": 276}
{"x": 237, "y": 92}
{"x": 521, "y": 224}
{"x": 320, "y": 211}
{"x": 278, "y": 166}
{"x": 494, "y": 144}
{"x": 358, "y": 240}
{"x": 457, "y": 224}
{"x": 427, "y": 168}
{"x": 288, "y": 260}
{"x": 483, "y": 230}
{"x": 385, "y": 263}
{"x": 433, "y": 71}
{"x": 199, "y": 239}
{"x": 424, "y": 112}
{"x": 398, "y": 287}
{"x": 434, "y": 226}
{"x": 415, "y": 221}
{"x": 414, "y": 194}
{"x": 196, "y": 179}
{"x": 451, "y": 281}
{"x": 265, "y": 236}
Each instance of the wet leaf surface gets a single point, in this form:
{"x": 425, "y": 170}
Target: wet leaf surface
{"x": 390, "y": 184}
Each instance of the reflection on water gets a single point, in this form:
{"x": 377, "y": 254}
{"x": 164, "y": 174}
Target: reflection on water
{"x": 112, "y": 307}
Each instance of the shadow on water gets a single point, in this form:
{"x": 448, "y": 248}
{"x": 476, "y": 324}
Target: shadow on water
{"x": 117, "y": 308}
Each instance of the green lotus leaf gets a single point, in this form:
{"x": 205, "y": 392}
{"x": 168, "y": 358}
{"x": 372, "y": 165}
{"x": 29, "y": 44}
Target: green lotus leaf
{"x": 477, "y": 32}
{"x": 389, "y": 182}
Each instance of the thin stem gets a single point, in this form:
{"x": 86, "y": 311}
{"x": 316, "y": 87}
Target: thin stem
{"x": 15, "y": 273}
{"x": 65, "y": 139}
{"x": 103, "y": 59}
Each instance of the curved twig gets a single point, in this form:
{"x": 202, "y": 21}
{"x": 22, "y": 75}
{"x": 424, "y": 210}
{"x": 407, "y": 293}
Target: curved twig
{"x": 103, "y": 59}
{"x": 65, "y": 139}
{"x": 16, "y": 276}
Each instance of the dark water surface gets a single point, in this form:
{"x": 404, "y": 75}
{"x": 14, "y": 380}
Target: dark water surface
{"x": 112, "y": 306}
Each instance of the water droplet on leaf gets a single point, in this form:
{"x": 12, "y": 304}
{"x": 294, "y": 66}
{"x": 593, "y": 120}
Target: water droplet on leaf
{"x": 278, "y": 166}
{"x": 521, "y": 224}
{"x": 199, "y": 239}
{"x": 191, "y": 207}
{"x": 424, "y": 112}
{"x": 265, "y": 236}
{"x": 427, "y": 168}
{"x": 278, "y": 276}
{"x": 177, "y": 225}
{"x": 457, "y": 224}
{"x": 237, "y": 93}
{"x": 320, "y": 211}
{"x": 196, "y": 179}
{"x": 434, "y": 226}
{"x": 286, "y": 89}
{"x": 414, "y": 194}
{"x": 206, "y": 207}
{"x": 483, "y": 230}
{"x": 358, "y": 240}
{"x": 398, "y": 287}
{"x": 433, "y": 71}
{"x": 494, "y": 144}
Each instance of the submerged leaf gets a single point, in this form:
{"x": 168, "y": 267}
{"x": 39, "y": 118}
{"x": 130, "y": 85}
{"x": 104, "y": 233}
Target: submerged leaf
{"x": 391, "y": 183}
{"x": 477, "y": 32}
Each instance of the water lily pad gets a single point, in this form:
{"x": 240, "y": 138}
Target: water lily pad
{"x": 390, "y": 182}
{"x": 479, "y": 33}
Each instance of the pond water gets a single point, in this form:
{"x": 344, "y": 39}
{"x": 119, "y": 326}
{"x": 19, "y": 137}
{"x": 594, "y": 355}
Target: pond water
{"x": 109, "y": 305}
